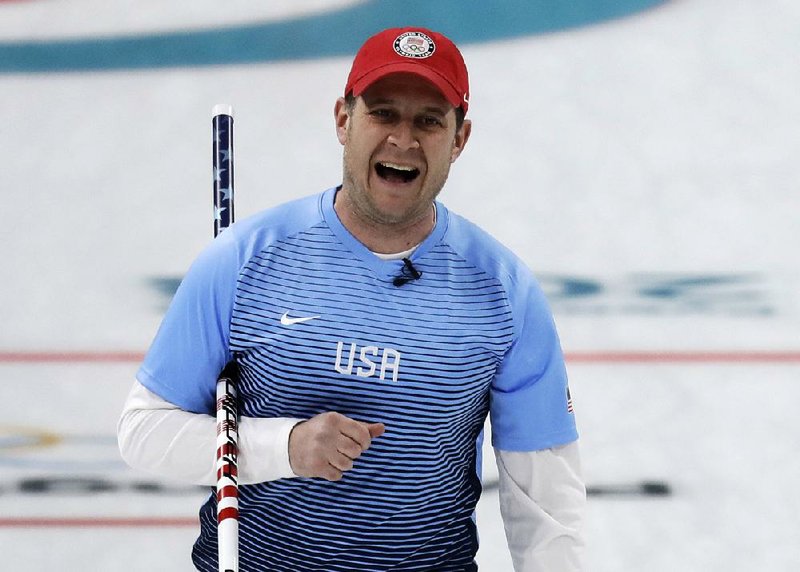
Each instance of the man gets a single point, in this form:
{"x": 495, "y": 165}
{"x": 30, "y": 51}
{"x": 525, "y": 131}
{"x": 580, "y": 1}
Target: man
{"x": 374, "y": 330}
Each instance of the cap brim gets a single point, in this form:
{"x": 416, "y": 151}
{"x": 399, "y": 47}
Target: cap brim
{"x": 419, "y": 69}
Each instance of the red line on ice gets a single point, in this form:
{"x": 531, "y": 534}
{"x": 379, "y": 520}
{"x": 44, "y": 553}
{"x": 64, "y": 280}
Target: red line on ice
{"x": 39, "y": 357}
{"x": 97, "y": 522}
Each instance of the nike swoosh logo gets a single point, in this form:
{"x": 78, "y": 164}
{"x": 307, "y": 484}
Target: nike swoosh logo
{"x": 287, "y": 321}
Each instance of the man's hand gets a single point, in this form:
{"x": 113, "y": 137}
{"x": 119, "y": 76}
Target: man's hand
{"x": 326, "y": 445}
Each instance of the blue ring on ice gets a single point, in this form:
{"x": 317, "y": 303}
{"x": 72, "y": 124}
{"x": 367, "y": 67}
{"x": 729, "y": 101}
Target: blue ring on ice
{"x": 327, "y": 34}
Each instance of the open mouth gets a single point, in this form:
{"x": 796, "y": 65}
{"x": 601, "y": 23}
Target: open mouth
{"x": 395, "y": 173}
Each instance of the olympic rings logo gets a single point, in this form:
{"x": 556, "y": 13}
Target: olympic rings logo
{"x": 414, "y": 45}
{"x": 13, "y": 438}
{"x": 415, "y": 48}
{"x": 33, "y": 448}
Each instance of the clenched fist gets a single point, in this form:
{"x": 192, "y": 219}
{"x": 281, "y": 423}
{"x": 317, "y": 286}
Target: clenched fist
{"x": 326, "y": 445}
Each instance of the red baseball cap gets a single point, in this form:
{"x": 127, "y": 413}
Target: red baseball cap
{"x": 412, "y": 50}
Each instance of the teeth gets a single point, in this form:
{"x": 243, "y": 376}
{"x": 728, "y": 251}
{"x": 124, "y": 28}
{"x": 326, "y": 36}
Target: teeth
{"x": 398, "y": 167}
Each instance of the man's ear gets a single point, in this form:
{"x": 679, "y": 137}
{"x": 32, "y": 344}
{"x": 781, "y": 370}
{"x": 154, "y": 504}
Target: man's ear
{"x": 342, "y": 117}
{"x": 462, "y": 136}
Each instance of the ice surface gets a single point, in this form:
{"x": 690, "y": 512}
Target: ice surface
{"x": 646, "y": 168}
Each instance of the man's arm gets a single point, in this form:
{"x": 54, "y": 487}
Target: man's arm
{"x": 159, "y": 437}
{"x": 542, "y": 501}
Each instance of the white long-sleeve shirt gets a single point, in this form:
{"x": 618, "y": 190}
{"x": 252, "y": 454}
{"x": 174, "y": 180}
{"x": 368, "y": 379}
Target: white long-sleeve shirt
{"x": 542, "y": 494}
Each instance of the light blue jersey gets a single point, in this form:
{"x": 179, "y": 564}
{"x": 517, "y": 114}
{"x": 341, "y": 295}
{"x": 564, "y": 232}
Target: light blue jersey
{"x": 316, "y": 323}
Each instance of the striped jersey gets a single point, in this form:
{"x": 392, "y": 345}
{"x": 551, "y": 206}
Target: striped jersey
{"x": 317, "y": 323}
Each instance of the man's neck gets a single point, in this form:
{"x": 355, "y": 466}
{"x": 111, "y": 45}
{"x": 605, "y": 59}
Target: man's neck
{"x": 381, "y": 237}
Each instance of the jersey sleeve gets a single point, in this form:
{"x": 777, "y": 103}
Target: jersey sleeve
{"x": 529, "y": 409}
{"x": 192, "y": 344}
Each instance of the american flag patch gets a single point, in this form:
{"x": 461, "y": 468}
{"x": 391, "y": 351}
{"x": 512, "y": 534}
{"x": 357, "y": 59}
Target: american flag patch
{"x": 569, "y": 402}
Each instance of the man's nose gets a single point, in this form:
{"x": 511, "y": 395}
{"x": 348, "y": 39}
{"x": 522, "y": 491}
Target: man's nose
{"x": 403, "y": 136}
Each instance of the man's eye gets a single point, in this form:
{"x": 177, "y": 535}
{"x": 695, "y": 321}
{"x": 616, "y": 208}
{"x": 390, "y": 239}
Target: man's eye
{"x": 381, "y": 113}
{"x": 431, "y": 121}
